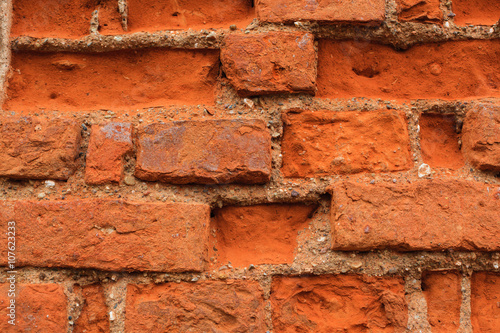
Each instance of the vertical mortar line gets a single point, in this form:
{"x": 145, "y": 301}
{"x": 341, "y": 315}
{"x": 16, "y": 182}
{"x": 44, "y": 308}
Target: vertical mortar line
{"x": 5, "y": 50}
{"x": 465, "y": 308}
{"x": 115, "y": 294}
{"x": 414, "y": 132}
{"x": 417, "y": 305}
{"x": 265, "y": 284}
{"x": 391, "y": 10}
{"x": 123, "y": 10}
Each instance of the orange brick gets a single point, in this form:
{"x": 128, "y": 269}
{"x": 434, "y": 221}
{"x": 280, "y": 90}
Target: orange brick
{"x": 38, "y": 308}
{"x": 481, "y": 137}
{"x": 443, "y": 293}
{"x": 485, "y": 302}
{"x": 260, "y": 234}
{"x": 338, "y": 303}
{"x": 107, "y": 147}
{"x": 108, "y": 234}
{"x": 274, "y": 62}
{"x": 476, "y": 12}
{"x": 204, "y": 152}
{"x": 36, "y": 148}
{"x": 208, "y": 306}
{"x": 319, "y": 143}
{"x": 333, "y": 11}
{"x": 94, "y": 315}
{"x": 419, "y": 11}
{"x": 415, "y": 216}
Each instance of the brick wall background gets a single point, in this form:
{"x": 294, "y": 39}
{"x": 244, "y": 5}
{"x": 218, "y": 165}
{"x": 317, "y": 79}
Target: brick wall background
{"x": 251, "y": 166}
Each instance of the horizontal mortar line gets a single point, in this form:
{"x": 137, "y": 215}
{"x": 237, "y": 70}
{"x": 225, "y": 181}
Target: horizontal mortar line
{"x": 399, "y": 36}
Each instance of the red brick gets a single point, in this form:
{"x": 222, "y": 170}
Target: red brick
{"x": 63, "y": 18}
{"x": 439, "y": 141}
{"x": 36, "y": 148}
{"x": 485, "y": 302}
{"x": 118, "y": 80}
{"x": 442, "y": 291}
{"x": 259, "y": 234}
{"x": 424, "y": 215}
{"x": 154, "y": 15}
{"x": 109, "y": 234}
{"x": 107, "y": 147}
{"x": 419, "y": 10}
{"x": 288, "y": 11}
{"x": 476, "y": 12}
{"x": 205, "y": 152}
{"x": 318, "y": 143}
{"x": 208, "y": 306}
{"x": 449, "y": 70}
{"x": 273, "y": 62}
{"x": 481, "y": 137}
{"x": 39, "y": 308}
{"x": 94, "y": 315}
{"x": 338, "y": 303}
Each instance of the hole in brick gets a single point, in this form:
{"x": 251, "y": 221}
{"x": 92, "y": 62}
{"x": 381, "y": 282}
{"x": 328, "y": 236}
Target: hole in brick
{"x": 439, "y": 141}
{"x": 259, "y": 234}
{"x": 155, "y": 15}
{"x": 362, "y": 69}
{"x": 119, "y": 79}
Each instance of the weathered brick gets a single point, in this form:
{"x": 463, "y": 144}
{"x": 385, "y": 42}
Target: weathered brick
{"x": 338, "y": 303}
{"x": 481, "y": 137}
{"x": 318, "y": 143}
{"x": 259, "y": 234}
{"x": 439, "y": 141}
{"x": 449, "y": 70}
{"x": 108, "y": 234}
{"x": 119, "y": 80}
{"x": 38, "y": 307}
{"x": 419, "y": 10}
{"x": 63, "y": 18}
{"x": 208, "y": 306}
{"x": 155, "y": 15}
{"x": 485, "y": 302}
{"x": 205, "y": 152}
{"x": 476, "y": 12}
{"x": 273, "y": 62}
{"x": 94, "y": 315}
{"x": 443, "y": 293}
{"x": 37, "y": 148}
{"x": 424, "y": 215}
{"x": 288, "y": 11}
{"x": 107, "y": 147}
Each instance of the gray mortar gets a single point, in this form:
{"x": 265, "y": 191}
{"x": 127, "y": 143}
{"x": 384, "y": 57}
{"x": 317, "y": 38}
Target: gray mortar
{"x": 5, "y": 24}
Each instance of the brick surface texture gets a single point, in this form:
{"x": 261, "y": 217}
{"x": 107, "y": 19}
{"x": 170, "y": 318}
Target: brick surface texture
{"x": 249, "y": 166}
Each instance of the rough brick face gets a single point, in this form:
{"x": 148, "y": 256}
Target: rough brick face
{"x": 109, "y": 234}
{"x": 274, "y": 62}
{"x": 260, "y": 234}
{"x": 338, "y": 303}
{"x": 485, "y": 302}
{"x": 94, "y": 315}
{"x": 481, "y": 137}
{"x": 418, "y": 10}
{"x": 39, "y": 308}
{"x": 67, "y": 81}
{"x": 206, "y": 152}
{"x": 480, "y": 12}
{"x": 334, "y": 11}
{"x": 442, "y": 291}
{"x": 37, "y": 148}
{"x": 154, "y": 15}
{"x": 318, "y": 143}
{"x": 209, "y": 306}
{"x": 108, "y": 145}
{"x": 415, "y": 216}
{"x": 439, "y": 141}
{"x": 448, "y": 70}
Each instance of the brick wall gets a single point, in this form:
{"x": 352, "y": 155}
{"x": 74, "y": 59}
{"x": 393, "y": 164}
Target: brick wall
{"x": 250, "y": 166}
